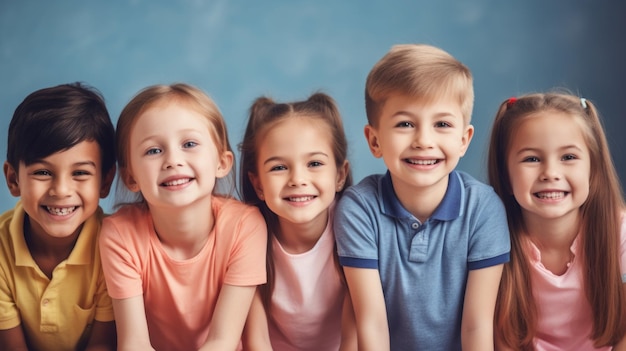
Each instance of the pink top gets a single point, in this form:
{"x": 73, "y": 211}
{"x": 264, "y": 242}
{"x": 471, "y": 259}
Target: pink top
{"x": 564, "y": 319}
{"x": 180, "y": 296}
{"x": 308, "y": 298}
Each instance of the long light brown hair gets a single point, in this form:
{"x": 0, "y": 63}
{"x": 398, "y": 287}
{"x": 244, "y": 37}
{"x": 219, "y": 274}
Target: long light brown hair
{"x": 516, "y": 310}
{"x": 264, "y": 114}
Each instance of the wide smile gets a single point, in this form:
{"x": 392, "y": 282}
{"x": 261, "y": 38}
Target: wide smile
{"x": 60, "y": 211}
{"x": 422, "y": 162}
{"x": 551, "y": 195}
{"x": 176, "y": 182}
{"x": 300, "y": 198}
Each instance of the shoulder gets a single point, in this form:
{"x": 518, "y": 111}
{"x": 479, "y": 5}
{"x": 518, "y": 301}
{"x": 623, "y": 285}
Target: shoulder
{"x": 230, "y": 209}
{"x": 478, "y": 194}
{"x": 366, "y": 191}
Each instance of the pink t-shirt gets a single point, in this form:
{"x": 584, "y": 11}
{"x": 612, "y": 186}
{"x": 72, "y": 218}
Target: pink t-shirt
{"x": 565, "y": 317}
{"x": 180, "y": 296}
{"x": 308, "y": 298}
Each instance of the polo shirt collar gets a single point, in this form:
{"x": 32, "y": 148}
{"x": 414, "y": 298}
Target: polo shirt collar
{"x": 80, "y": 255}
{"x": 448, "y": 209}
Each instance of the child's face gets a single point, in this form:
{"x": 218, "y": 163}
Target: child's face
{"x": 419, "y": 143}
{"x": 549, "y": 166}
{"x": 297, "y": 174}
{"x": 60, "y": 191}
{"x": 173, "y": 159}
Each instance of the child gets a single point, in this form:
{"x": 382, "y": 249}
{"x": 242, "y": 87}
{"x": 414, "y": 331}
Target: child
{"x": 294, "y": 164}
{"x": 423, "y": 245}
{"x": 60, "y": 162}
{"x": 182, "y": 265}
{"x": 563, "y": 289}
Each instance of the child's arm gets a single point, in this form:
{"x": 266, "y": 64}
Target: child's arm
{"x": 103, "y": 337}
{"x": 256, "y": 331}
{"x": 229, "y": 317}
{"x": 348, "y": 327}
{"x": 13, "y": 339}
{"x": 479, "y": 306}
{"x": 370, "y": 312}
{"x": 131, "y": 324}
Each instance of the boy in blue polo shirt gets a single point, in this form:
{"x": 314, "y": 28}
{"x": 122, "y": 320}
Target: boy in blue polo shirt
{"x": 423, "y": 245}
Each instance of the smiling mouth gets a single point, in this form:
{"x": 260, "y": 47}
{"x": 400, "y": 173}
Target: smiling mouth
{"x": 61, "y": 211}
{"x": 421, "y": 162}
{"x": 176, "y": 182}
{"x": 300, "y": 198}
{"x": 551, "y": 195}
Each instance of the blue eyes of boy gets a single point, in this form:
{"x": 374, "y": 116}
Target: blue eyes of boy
{"x": 405, "y": 124}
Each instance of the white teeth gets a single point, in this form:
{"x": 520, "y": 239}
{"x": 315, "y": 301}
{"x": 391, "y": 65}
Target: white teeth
{"x": 551, "y": 195}
{"x": 177, "y": 182}
{"x": 421, "y": 162}
{"x": 60, "y": 211}
{"x": 301, "y": 199}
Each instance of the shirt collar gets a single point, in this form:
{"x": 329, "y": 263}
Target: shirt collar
{"x": 448, "y": 209}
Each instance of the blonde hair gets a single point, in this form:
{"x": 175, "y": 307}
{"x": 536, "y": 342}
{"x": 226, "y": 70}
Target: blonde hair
{"x": 419, "y": 71}
{"x": 181, "y": 93}
{"x": 516, "y": 311}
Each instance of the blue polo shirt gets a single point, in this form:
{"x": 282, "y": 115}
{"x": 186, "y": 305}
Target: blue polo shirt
{"x": 423, "y": 266}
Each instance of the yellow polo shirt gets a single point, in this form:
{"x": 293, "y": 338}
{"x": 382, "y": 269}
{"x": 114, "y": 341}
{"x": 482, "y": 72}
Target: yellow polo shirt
{"x": 55, "y": 314}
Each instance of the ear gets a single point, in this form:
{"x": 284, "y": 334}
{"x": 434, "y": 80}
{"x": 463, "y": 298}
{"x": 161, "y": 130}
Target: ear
{"x": 342, "y": 174}
{"x": 372, "y": 140}
{"x": 105, "y": 187}
{"x": 225, "y": 164}
{"x": 254, "y": 179}
{"x": 11, "y": 177}
{"x": 466, "y": 138}
{"x": 129, "y": 180}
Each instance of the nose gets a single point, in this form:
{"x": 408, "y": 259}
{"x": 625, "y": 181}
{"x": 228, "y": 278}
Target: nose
{"x": 61, "y": 186}
{"x": 297, "y": 177}
{"x": 550, "y": 171}
{"x": 422, "y": 138}
{"x": 172, "y": 159}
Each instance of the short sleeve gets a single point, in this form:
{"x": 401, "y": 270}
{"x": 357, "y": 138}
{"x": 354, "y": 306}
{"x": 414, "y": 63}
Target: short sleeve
{"x": 490, "y": 243}
{"x": 121, "y": 268}
{"x": 246, "y": 264}
{"x": 355, "y": 233}
{"x": 104, "y": 306}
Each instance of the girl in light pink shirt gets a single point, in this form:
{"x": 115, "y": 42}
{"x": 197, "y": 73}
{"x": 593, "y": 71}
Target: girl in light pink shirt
{"x": 564, "y": 288}
{"x": 181, "y": 263}
{"x": 293, "y": 167}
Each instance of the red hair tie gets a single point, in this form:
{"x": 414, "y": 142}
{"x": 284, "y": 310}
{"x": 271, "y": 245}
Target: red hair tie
{"x": 510, "y": 102}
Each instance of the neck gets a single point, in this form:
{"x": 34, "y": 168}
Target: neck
{"x": 298, "y": 238}
{"x": 421, "y": 202}
{"x": 183, "y": 232}
{"x": 48, "y": 246}
{"x": 558, "y": 233}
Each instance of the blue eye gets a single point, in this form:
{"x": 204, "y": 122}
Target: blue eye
{"x": 531, "y": 159}
{"x": 315, "y": 164}
{"x": 404, "y": 124}
{"x": 569, "y": 157}
{"x": 190, "y": 144}
{"x": 278, "y": 168}
{"x": 442, "y": 124}
{"x": 153, "y": 151}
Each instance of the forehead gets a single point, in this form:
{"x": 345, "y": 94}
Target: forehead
{"x": 420, "y": 107}
{"x": 548, "y": 129}
{"x": 168, "y": 116}
{"x": 295, "y": 133}
{"x": 84, "y": 153}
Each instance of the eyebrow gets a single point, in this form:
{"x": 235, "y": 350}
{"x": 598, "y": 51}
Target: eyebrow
{"x": 75, "y": 164}
{"x": 534, "y": 149}
{"x": 436, "y": 115}
{"x": 310, "y": 154}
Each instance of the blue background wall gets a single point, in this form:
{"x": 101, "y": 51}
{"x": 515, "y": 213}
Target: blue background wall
{"x": 238, "y": 50}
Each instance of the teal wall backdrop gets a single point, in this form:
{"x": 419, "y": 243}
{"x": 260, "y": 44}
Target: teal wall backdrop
{"x": 237, "y": 50}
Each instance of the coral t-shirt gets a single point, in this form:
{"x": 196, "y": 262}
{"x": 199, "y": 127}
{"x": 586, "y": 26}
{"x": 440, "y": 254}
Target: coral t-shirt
{"x": 180, "y": 295}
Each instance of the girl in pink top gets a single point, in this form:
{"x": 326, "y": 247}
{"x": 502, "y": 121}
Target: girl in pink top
{"x": 293, "y": 167}
{"x": 564, "y": 288}
{"x": 181, "y": 263}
